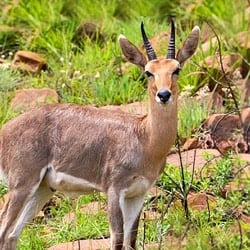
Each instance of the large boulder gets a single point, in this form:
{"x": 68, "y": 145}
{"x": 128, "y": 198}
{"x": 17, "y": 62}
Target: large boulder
{"x": 26, "y": 99}
{"x": 29, "y": 61}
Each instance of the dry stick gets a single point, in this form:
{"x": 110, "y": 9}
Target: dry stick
{"x": 248, "y": 127}
{"x": 144, "y": 231}
{"x": 240, "y": 169}
{"x": 187, "y": 192}
{"x": 162, "y": 217}
{"x": 208, "y": 208}
{"x": 186, "y": 230}
{"x": 206, "y": 164}
{"x": 240, "y": 231}
{"x": 183, "y": 184}
{"x": 192, "y": 177}
{"x": 228, "y": 81}
{"x": 222, "y": 67}
{"x": 209, "y": 219}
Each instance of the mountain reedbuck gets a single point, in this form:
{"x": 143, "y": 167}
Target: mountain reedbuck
{"x": 77, "y": 150}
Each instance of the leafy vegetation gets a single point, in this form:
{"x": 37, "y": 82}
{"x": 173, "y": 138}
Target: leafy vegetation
{"x": 91, "y": 71}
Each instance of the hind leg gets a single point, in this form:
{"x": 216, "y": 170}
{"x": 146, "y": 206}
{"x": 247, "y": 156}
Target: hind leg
{"x": 20, "y": 208}
{"x": 9, "y": 213}
{"x": 31, "y": 207}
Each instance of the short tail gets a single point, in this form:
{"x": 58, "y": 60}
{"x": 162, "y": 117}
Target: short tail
{"x": 3, "y": 175}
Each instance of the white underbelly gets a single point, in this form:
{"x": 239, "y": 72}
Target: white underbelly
{"x": 3, "y": 178}
{"x": 69, "y": 185}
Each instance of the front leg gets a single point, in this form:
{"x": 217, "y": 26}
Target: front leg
{"x": 124, "y": 214}
{"x": 115, "y": 220}
{"x": 131, "y": 209}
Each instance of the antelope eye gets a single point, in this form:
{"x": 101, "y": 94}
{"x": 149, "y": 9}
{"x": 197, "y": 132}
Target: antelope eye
{"x": 148, "y": 74}
{"x": 177, "y": 71}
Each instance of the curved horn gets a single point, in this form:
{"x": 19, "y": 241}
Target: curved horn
{"x": 171, "y": 45}
{"x": 150, "y": 51}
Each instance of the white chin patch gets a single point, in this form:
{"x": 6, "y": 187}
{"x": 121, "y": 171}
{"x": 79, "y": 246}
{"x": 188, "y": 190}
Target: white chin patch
{"x": 158, "y": 100}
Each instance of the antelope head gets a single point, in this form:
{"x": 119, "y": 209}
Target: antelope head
{"x": 162, "y": 72}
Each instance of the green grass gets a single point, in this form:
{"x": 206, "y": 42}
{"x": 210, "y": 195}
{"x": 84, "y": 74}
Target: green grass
{"x": 91, "y": 72}
{"x": 219, "y": 226}
{"x": 191, "y": 114}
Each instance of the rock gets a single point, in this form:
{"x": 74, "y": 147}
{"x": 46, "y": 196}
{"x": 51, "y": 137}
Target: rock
{"x": 26, "y": 99}
{"x": 243, "y": 39}
{"x": 89, "y": 31}
{"x": 245, "y": 117}
{"x": 192, "y": 159}
{"x": 191, "y": 143}
{"x": 29, "y": 61}
{"x": 229, "y": 62}
{"x": 90, "y": 244}
{"x": 210, "y": 44}
{"x": 243, "y": 86}
{"x": 201, "y": 201}
{"x": 224, "y": 146}
{"x": 218, "y": 71}
{"x": 222, "y": 131}
{"x": 212, "y": 100}
{"x": 227, "y": 132}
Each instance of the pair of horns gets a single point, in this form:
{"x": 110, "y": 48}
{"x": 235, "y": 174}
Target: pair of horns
{"x": 150, "y": 51}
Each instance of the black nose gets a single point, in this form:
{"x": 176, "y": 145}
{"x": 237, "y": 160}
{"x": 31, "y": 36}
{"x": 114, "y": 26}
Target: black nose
{"x": 164, "y": 95}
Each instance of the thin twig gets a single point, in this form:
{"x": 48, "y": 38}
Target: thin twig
{"x": 208, "y": 208}
{"x": 186, "y": 230}
{"x": 183, "y": 184}
{"x": 144, "y": 231}
{"x": 240, "y": 169}
{"x": 162, "y": 217}
{"x": 193, "y": 166}
{"x": 240, "y": 231}
{"x": 222, "y": 68}
{"x": 206, "y": 164}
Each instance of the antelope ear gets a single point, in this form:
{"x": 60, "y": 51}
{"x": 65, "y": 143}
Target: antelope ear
{"x": 132, "y": 53}
{"x": 189, "y": 46}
